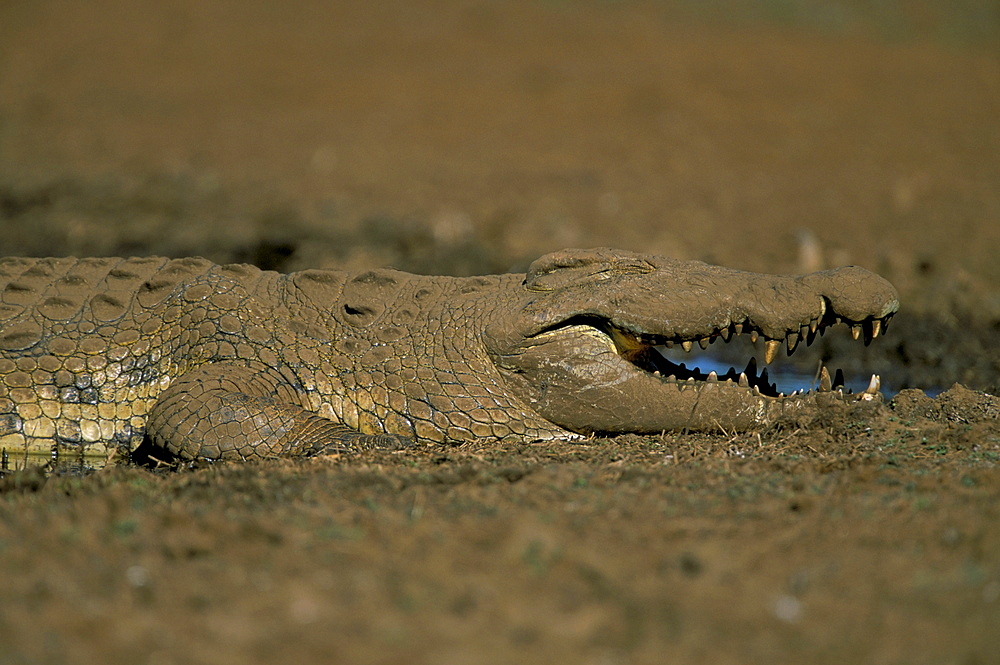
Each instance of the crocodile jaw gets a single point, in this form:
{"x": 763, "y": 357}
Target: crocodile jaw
{"x": 587, "y": 380}
{"x": 579, "y": 347}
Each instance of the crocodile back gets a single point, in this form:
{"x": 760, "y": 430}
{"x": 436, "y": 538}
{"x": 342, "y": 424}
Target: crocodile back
{"x": 38, "y": 296}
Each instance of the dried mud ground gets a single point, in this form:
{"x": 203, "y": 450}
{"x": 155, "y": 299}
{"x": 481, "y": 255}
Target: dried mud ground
{"x": 471, "y": 136}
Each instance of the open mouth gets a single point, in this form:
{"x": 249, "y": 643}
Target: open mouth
{"x": 643, "y": 350}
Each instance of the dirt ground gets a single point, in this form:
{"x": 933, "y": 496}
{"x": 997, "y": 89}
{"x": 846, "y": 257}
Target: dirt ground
{"x": 468, "y": 136}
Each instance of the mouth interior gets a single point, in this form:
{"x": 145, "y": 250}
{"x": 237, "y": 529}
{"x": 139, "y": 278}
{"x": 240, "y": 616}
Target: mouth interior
{"x": 649, "y": 352}
{"x": 705, "y": 369}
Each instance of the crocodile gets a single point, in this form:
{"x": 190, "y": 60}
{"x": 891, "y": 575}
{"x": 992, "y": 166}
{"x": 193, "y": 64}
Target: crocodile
{"x": 232, "y": 362}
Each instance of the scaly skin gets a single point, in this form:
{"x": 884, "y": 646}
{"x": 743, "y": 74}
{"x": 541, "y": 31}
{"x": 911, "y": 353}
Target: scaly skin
{"x": 233, "y": 362}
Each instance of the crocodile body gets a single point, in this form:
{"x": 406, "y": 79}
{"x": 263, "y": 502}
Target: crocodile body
{"x": 228, "y": 361}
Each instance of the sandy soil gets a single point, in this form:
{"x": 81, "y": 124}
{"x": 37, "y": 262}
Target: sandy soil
{"x": 471, "y": 136}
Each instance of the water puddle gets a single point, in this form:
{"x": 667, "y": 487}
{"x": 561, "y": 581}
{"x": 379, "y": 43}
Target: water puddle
{"x": 787, "y": 378}
{"x": 788, "y": 374}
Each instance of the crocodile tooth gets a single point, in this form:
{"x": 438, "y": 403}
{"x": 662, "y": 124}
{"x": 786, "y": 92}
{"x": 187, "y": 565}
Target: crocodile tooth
{"x": 712, "y": 376}
{"x": 876, "y": 327}
{"x": 792, "y": 341}
{"x": 704, "y": 342}
{"x": 873, "y": 385}
{"x": 771, "y": 350}
{"x": 744, "y": 381}
{"x": 856, "y": 331}
{"x": 822, "y": 307}
{"x": 814, "y": 325}
{"x": 753, "y": 336}
{"x": 805, "y": 333}
{"x": 687, "y": 345}
{"x": 825, "y": 384}
{"x": 866, "y": 332}
{"x": 669, "y": 344}
{"x": 725, "y": 333}
{"x": 738, "y": 328}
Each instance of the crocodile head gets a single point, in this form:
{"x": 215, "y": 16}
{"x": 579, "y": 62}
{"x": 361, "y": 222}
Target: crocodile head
{"x": 580, "y": 348}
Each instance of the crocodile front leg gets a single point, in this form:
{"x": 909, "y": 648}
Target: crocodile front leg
{"x": 222, "y": 411}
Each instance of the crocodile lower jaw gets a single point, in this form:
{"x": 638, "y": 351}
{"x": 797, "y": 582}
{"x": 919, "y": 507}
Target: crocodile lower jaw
{"x": 576, "y": 377}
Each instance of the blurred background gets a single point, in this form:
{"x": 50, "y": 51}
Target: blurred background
{"x": 471, "y": 136}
